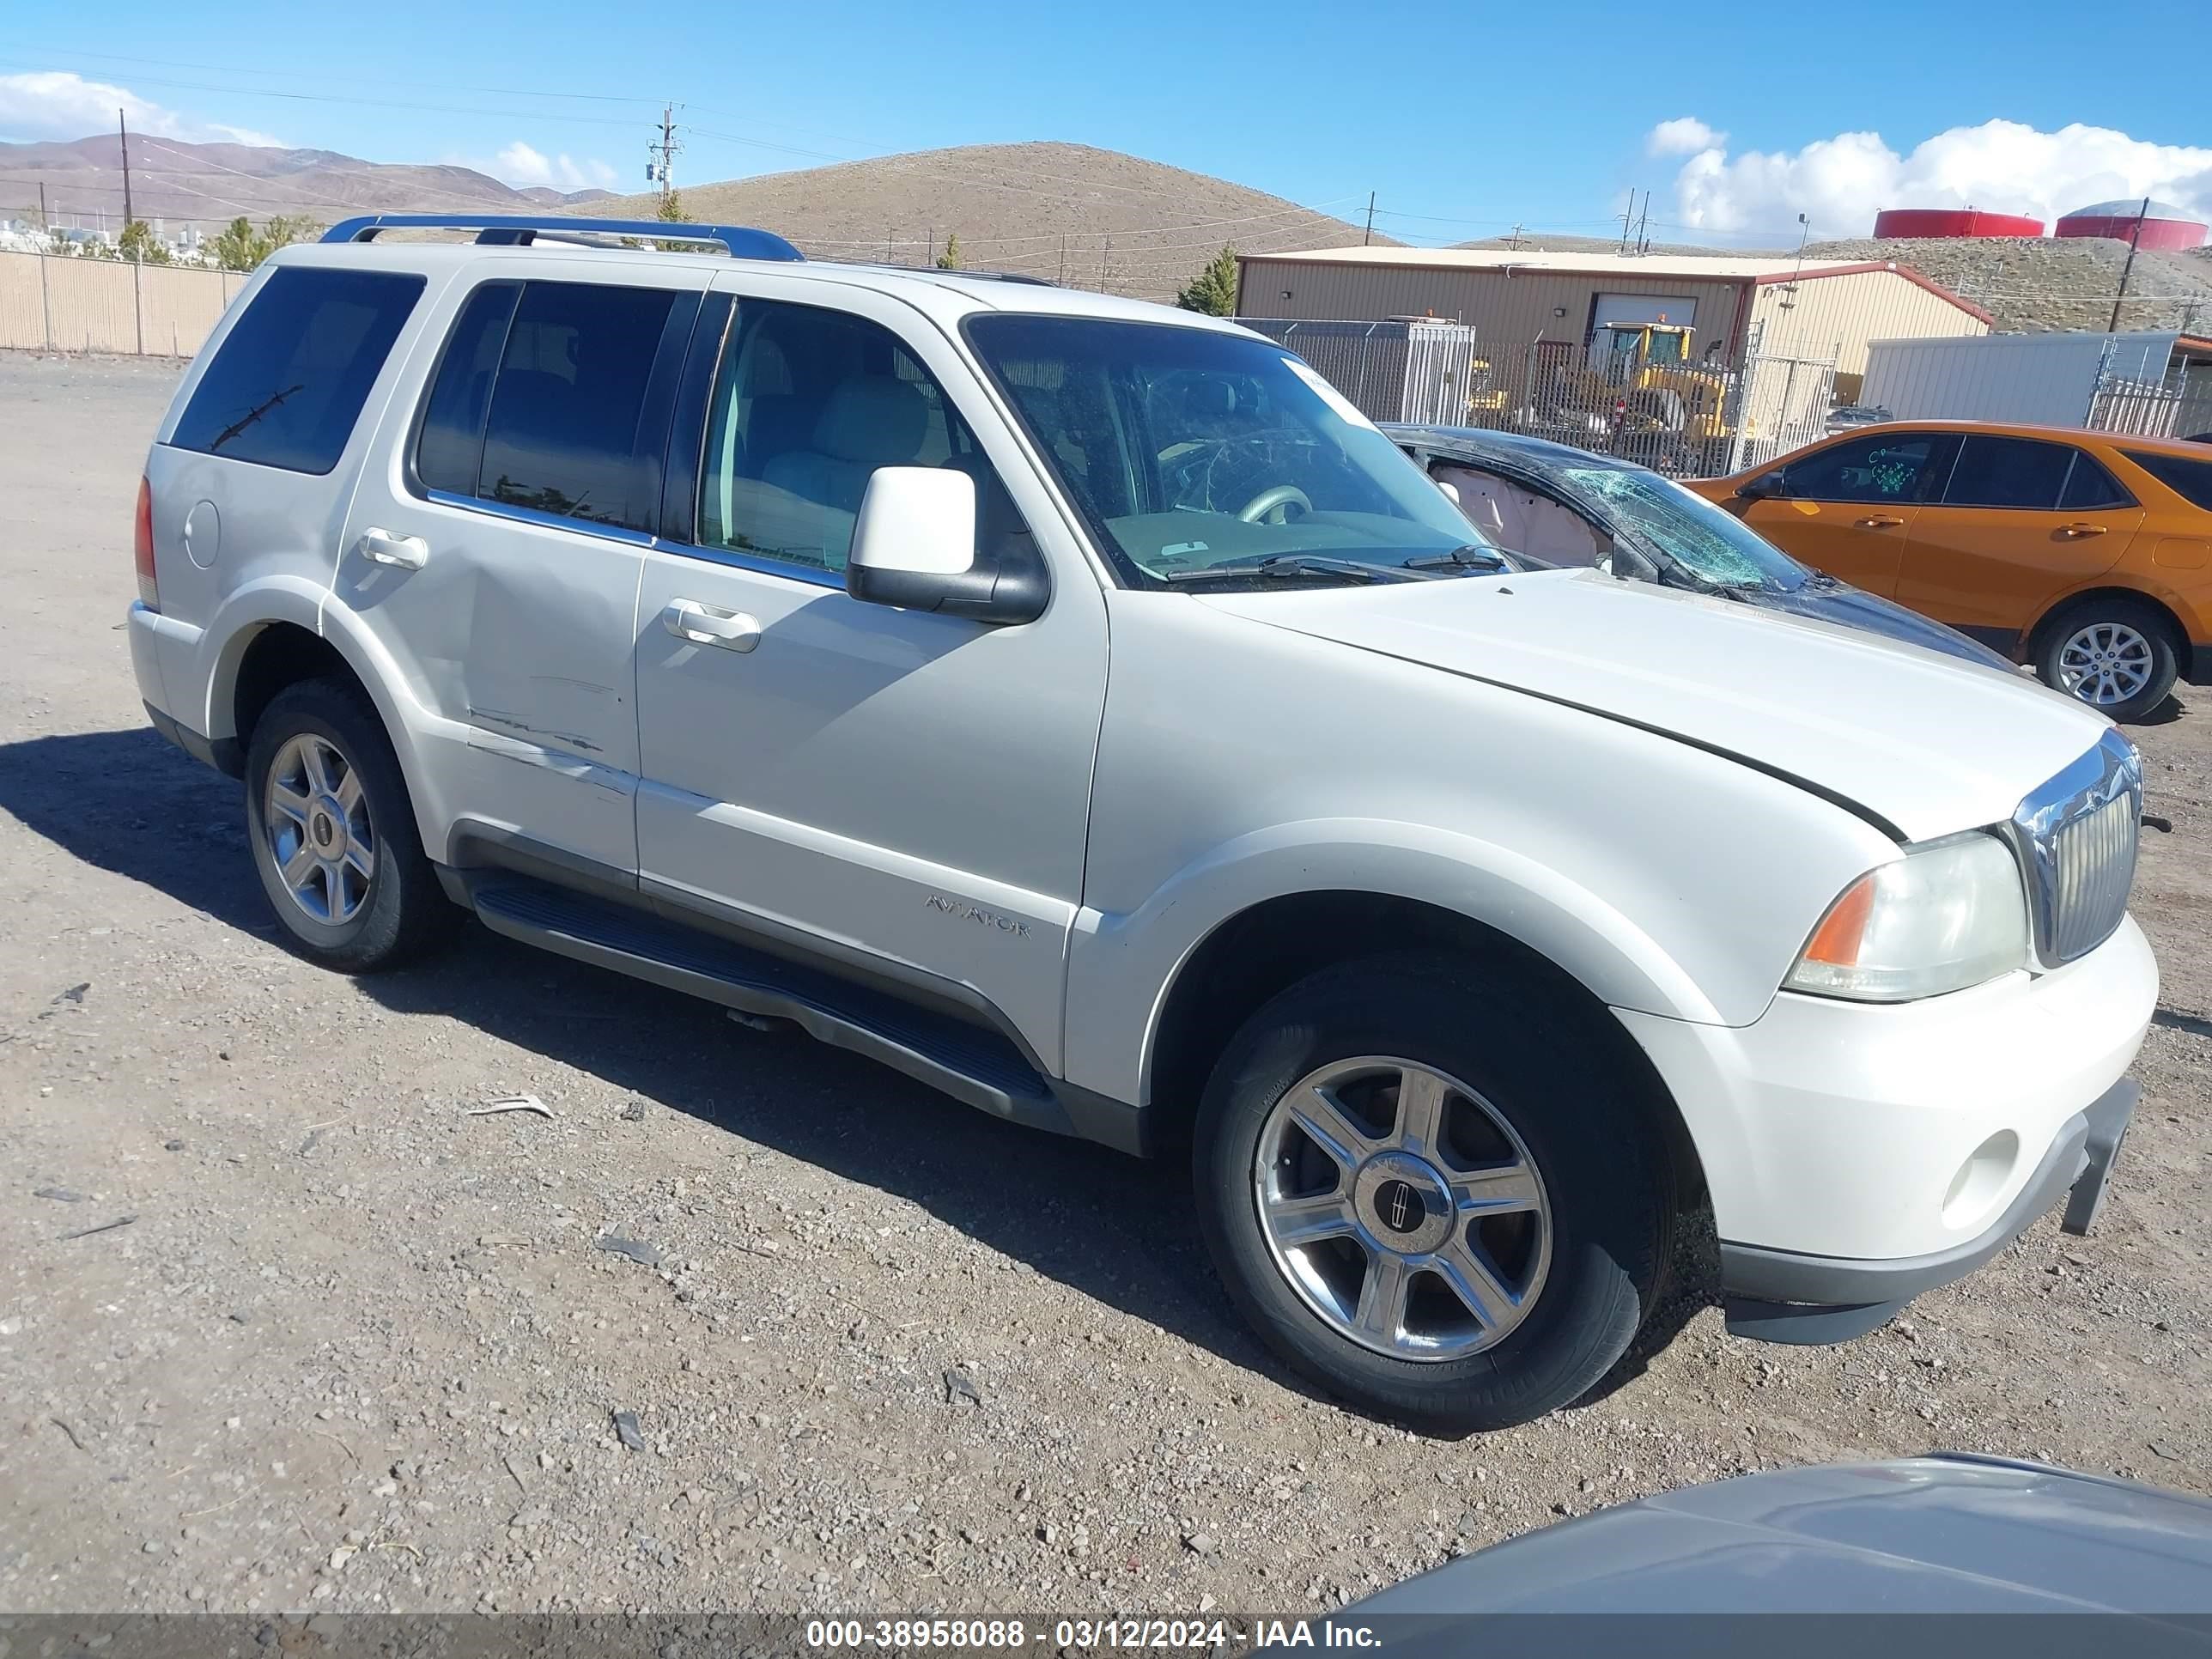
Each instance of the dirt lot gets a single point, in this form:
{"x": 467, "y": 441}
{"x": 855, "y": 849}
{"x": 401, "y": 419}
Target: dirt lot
{"x": 358, "y": 1350}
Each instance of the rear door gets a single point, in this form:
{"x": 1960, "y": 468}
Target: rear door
{"x": 494, "y": 549}
{"x": 2020, "y": 522}
{"x": 1848, "y": 506}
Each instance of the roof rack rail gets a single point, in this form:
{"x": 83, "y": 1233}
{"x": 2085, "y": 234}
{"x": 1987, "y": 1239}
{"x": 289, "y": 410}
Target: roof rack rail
{"x": 512, "y": 229}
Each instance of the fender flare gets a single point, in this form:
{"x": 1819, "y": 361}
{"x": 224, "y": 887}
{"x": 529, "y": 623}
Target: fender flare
{"x": 284, "y": 600}
{"x": 1586, "y": 939}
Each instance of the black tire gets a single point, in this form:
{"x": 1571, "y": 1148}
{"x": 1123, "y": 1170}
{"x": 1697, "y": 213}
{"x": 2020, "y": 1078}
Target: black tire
{"x": 404, "y": 911}
{"x": 2146, "y": 620}
{"x": 1585, "y": 1116}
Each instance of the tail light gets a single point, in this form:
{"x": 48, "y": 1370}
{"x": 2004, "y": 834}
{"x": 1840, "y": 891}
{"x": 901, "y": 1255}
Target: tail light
{"x": 150, "y": 591}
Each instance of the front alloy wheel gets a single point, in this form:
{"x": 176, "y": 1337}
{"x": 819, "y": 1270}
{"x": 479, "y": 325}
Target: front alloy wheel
{"x": 1402, "y": 1208}
{"x": 1437, "y": 1187}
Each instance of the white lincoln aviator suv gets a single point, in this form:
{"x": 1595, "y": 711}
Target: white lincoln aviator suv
{"x": 1078, "y": 706}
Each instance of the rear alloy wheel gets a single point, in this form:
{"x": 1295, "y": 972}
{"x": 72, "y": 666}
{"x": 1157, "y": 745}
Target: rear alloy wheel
{"x": 333, "y": 832}
{"x": 1440, "y": 1193}
{"x": 2116, "y": 657}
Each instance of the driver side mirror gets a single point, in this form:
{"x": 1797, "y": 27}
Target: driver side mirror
{"x": 1767, "y": 486}
{"x": 913, "y": 547}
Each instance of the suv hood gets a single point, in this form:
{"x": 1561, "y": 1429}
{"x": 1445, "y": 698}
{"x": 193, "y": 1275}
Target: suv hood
{"x": 1927, "y": 744}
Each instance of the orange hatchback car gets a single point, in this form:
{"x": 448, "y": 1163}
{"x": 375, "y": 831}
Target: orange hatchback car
{"x": 2088, "y": 555}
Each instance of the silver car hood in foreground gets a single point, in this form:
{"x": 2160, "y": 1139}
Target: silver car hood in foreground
{"x": 1943, "y": 1534}
{"x": 1927, "y": 744}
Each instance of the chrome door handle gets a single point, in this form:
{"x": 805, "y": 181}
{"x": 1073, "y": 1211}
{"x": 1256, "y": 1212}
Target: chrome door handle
{"x": 1879, "y": 521}
{"x": 407, "y": 552}
{"x": 2076, "y": 531}
{"x": 708, "y": 624}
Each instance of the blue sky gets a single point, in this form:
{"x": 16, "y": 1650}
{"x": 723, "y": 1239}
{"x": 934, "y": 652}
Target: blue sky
{"x": 1463, "y": 120}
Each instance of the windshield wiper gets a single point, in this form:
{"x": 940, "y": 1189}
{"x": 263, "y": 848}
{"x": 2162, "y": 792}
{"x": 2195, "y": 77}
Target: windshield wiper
{"x": 1282, "y": 565}
{"x": 1469, "y": 556}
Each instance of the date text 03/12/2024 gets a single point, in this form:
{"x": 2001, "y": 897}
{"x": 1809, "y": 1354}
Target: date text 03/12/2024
{"x": 1190, "y": 1635}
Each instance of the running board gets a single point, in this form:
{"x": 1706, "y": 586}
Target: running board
{"x": 971, "y": 1063}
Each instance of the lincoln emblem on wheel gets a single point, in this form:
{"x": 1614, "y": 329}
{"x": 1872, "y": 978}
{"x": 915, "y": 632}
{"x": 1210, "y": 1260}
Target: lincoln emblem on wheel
{"x": 1399, "y": 1206}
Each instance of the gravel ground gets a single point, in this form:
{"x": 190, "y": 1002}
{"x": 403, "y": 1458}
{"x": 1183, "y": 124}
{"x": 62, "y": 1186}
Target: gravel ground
{"x": 282, "y": 1327}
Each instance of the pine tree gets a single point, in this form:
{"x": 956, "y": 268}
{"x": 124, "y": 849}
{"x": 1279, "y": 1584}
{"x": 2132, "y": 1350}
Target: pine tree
{"x": 138, "y": 242}
{"x": 1214, "y": 290}
{"x": 950, "y": 259}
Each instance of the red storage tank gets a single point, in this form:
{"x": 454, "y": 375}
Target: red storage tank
{"x": 2164, "y": 225}
{"x": 1953, "y": 222}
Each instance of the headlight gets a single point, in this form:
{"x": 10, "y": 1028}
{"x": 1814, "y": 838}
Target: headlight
{"x": 1947, "y": 916}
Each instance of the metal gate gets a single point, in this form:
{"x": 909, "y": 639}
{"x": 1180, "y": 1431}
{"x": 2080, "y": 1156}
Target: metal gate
{"x": 1407, "y": 369}
{"x": 1780, "y": 402}
{"x": 2140, "y": 406}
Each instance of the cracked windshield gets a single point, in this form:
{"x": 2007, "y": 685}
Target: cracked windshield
{"x": 1708, "y": 543}
{"x": 1199, "y": 456}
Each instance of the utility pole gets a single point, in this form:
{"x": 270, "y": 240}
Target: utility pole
{"x": 2133, "y": 242}
{"x": 1642, "y": 224}
{"x": 1625, "y": 219}
{"x": 1063, "y": 257}
{"x": 662, "y": 169}
{"x": 122, "y": 134}
{"x": 1368, "y": 234}
{"x": 1102, "y": 253}
{"x": 1515, "y": 243}
{"x": 46, "y": 221}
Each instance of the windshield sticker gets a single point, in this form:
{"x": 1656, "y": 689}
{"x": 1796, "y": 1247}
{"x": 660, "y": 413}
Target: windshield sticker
{"x": 1176, "y": 550}
{"x": 1338, "y": 404}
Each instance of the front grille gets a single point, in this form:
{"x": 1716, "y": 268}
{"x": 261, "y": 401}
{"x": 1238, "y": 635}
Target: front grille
{"x": 2094, "y": 856}
{"x": 2077, "y": 838}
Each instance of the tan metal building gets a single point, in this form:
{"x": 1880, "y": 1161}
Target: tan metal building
{"x": 1815, "y": 308}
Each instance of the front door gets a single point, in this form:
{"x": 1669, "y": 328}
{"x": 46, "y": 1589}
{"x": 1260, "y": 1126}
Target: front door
{"x": 494, "y": 554}
{"x": 2020, "y": 522}
{"x": 1847, "y": 507}
{"x": 909, "y": 789}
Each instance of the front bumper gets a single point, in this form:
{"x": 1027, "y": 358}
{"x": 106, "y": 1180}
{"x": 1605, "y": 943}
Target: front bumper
{"x": 1780, "y": 1296}
{"x": 1836, "y": 1138}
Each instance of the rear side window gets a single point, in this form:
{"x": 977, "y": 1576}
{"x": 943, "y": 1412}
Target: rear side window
{"x": 544, "y": 399}
{"x": 2021, "y": 473}
{"x": 2191, "y": 480}
{"x": 2089, "y": 487}
{"x": 288, "y": 382}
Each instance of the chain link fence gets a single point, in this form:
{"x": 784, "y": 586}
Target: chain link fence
{"x": 1686, "y": 418}
{"x": 56, "y": 302}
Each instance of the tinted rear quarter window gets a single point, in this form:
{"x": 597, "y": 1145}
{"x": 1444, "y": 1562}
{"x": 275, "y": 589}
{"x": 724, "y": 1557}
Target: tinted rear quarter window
{"x": 563, "y": 431}
{"x": 2089, "y": 487}
{"x": 288, "y": 384}
{"x": 2188, "y": 478}
{"x": 2021, "y": 473}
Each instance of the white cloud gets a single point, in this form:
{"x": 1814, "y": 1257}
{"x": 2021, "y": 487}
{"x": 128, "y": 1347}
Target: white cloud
{"x": 56, "y": 105}
{"x": 1684, "y": 135}
{"x": 1843, "y": 181}
{"x": 521, "y": 165}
